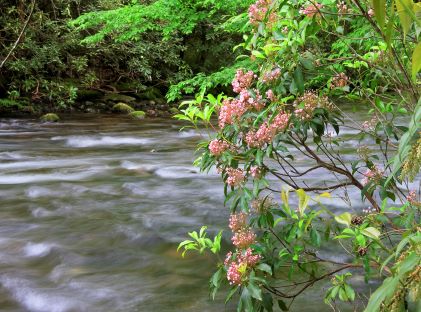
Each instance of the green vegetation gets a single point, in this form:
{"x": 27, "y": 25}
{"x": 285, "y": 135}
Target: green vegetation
{"x": 309, "y": 57}
{"x": 280, "y": 69}
{"x": 74, "y": 51}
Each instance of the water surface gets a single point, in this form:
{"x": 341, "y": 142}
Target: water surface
{"x": 92, "y": 209}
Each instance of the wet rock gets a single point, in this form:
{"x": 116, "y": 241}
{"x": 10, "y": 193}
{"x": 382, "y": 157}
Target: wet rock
{"x": 50, "y": 117}
{"x": 137, "y": 115}
{"x": 122, "y": 108}
{"x": 174, "y": 110}
{"x": 152, "y": 113}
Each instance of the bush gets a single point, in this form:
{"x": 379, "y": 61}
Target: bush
{"x": 308, "y": 56}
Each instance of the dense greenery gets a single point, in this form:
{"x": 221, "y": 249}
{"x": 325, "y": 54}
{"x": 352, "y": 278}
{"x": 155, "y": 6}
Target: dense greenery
{"x": 308, "y": 56}
{"x": 108, "y": 45}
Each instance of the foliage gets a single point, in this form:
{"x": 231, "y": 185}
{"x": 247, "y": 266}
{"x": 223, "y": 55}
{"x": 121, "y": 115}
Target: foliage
{"x": 308, "y": 55}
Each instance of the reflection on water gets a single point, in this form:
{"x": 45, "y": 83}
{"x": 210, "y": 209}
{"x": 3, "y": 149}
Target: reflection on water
{"x": 92, "y": 209}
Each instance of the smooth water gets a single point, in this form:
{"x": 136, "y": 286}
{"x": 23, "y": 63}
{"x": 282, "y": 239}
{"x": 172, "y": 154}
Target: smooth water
{"x": 91, "y": 212}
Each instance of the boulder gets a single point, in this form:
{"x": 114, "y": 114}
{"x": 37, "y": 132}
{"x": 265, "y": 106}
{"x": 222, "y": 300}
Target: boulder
{"x": 122, "y": 108}
{"x": 50, "y": 117}
{"x": 137, "y": 115}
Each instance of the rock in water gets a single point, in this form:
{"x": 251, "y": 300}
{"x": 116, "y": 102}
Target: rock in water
{"x": 137, "y": 115}
{"x": 50, "y": 117}
{"x": 122, "y": 108}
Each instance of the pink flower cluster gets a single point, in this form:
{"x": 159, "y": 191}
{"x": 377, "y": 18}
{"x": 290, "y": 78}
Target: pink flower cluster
{"x": 372, "y": 175}
{"x": 270, "y": 95}
{"x": 238, "y": 221}
{"x": 258, "y": 11}
{"x": 342, "y": 7}
{"x": 234, "y": 274}
{"x": 272, "y": 75}
{"x": 237, "y": 263}
{"x": 412, "y": 198}
{"x": 243, "y": 238}
{"x": 266, "y": 132}
{"x": 370, "y": 125}
{"x": 256, "y": 172}
{"x": 235, "y": 176}
{"x": 311, "y": 101}
{"x": 339, "y": 81}
{"x": 233, "y": 109}
{"x": 242, "y": 80}
{"x": 311, "y": 10}
{"x": 370, "y": 12}
{"x": 251, "y": 102}
{"x": 217, "y": 147}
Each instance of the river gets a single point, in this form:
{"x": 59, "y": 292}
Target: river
{"x": 92, "y": 209}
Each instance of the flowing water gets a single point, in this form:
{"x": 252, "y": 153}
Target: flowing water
{"x": 91, "y": 212}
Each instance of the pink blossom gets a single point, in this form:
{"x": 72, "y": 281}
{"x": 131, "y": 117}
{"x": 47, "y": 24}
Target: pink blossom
{"x": 270, "y": 95}
{"x": 228, "y": 258}
{"x": 235, "y": 176}
{"x": 244, "y": 238}
{"x": 280, "y": 122}
{"x": 258, "y": 11}
{"x": 231, "y": 110}
{"x": 234, "y": 275}
{"x": 339, "y": 81}
{"x": 238, "y": 221}
{"x": 370, "y": 12}
{"x": 242, "y": 80}
{"x": 217, "y": 147}
{"x": 266, "y": 132}
{"x": 306, "y": 104}
{"x": 370, "y": 125}
{"x": 311, "y": 9}
{"x": 272, "y": 75}
{"x": 372, "y": 175}
{"x": 412, "y": 198}
{"x": 256, "y": 172}
{"x": 342, "y": 7}
{"x": 248, "y": 258}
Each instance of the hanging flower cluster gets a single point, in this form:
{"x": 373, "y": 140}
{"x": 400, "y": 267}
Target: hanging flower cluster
{"x": 217, "y": 147}
{"x": 342, "y": 7}
{"x": 258, "y": 11}
{"x": 311, "y": 9}
{"x": 375, "y": 174}
{"x": 266, "y": 132}
{"x": 339, "y": 81}
{"x": 233, "y": 109}
{"x": 235, "y": 176}
{"x": 243, "y": 259}
{"x": 306, "y": 104}
{"x": 272, "y": 75}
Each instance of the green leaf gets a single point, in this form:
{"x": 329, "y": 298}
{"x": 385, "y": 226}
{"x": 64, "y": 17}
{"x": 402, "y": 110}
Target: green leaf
{"x": 379, "y": 7}
{"x": 265, "y": 268}
{"x": 403, "y": 8}
{"x": 299, "y": 79}
{"x": 246, "y": 300}
{"x": 416, "y": 60}
{"x": 282, "y": 305}
{"x": 371, "y": 232}
{"x": 344, "y": 218}
{"x": 303, "y": 200}
{"x": 255, "y": 291}
{"x": 385, "y": 291}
